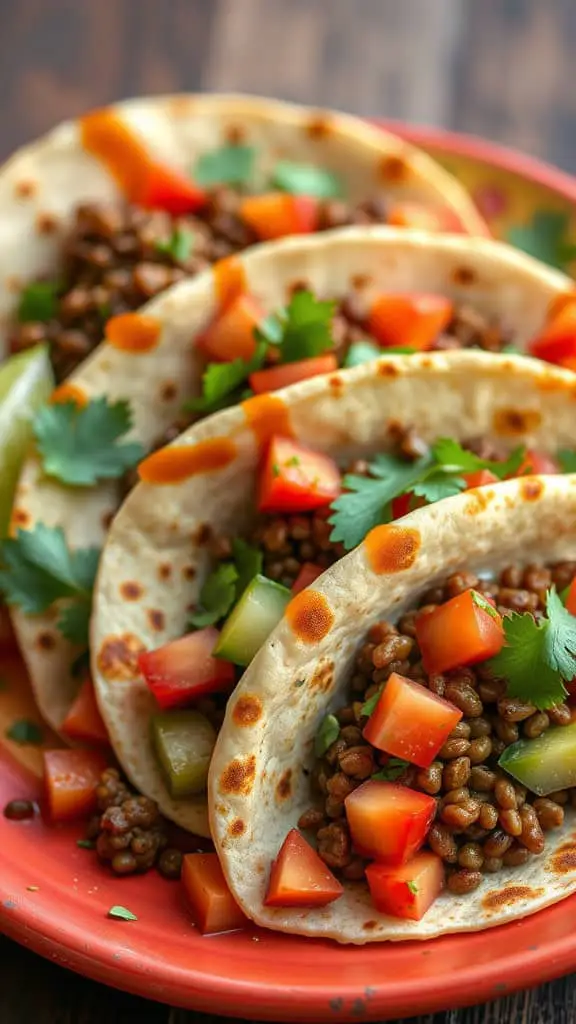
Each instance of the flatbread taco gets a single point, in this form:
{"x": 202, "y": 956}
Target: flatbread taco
{"x": 399, "y": 759}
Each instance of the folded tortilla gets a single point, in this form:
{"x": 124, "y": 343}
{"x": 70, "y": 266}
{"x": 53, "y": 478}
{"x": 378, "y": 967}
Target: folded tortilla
{"x": 101, "y": 157}
{"x": 491, "y": 277}
{"x": 257, "y": 783}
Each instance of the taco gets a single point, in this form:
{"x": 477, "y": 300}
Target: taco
{"x": 246, "y": 508}
{"x": 107, "y": 211}
{"x": 411, "y": 713}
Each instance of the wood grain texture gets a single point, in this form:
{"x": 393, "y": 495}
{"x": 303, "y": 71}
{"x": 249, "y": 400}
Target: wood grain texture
{"x": 500, "y": 69}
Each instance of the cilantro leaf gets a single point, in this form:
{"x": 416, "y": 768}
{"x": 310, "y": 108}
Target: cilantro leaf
{"x": 412, "y": 887}
{"x": 560, "y": 639}
{"x": 546, "y": 238}
{"x": 525, "y": 660}
{"x": 227, "y": 165}
{"x": 24, "y": 731}
{"x": 393, "y": 769}
{"x": 567, "y": 460}
{"x": 79, "y": 446}
{"x": 217, "y": 596}
{"x": 248, "y": 562}
{"x": 122, "y": 914}
{"x": 369, "y": 705}
{"x": 366, "y": 501}
{"x": 306, "y": 180}
{"x": 328, "y": 732}
{"x": 179, "y": 246}
{"x": 74, "y": 622}
{"x": 302, "y": 329}
{"x": 221, "y": 381}
{"x": 38, "y": 568}
{"x": 456, "y": 459}
{"x": 86, "y": 844}
{"x": 38, "y": 301}
{"x": 439, "y": 485}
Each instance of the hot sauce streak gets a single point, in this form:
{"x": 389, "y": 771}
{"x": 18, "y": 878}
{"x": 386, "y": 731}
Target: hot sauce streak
{"x": 133, "y": 332}
{"x": 174, "y": 465}
{"x": 267, "y": 416}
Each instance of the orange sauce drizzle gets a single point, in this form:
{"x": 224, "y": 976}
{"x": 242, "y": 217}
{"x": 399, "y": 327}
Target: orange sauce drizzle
{"x": 133, "y": 332}
{"x": 174, "y": 465}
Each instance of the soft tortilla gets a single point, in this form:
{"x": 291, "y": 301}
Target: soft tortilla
{"x": 258, "y": 786}
{"x": 492, "y": 277}
{"x": 156, "y": 543}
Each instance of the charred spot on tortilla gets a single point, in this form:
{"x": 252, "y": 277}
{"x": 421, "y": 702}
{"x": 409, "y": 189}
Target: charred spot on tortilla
{"x": 464, "y": 276}
{"x": 369, "y": 926}
{"x": 189, "y": 572}
{"x": 267, "y": 415}
{"x": 175, "y": 464}
{"x": 323, "y": 677}
{"x": 202, "y": 535}
{"x": 134, "y": 333}
{"x": 284, "y": 787}
{"x": 156, "y": 618}
{"x": 236, "y": 828}
{"x": 387, "y": 370}
{"x": 394, "y": 168}
{"x": 531, "y": 489}
{"x": 300, "y": 285}
{"x": 69, "y": 393}
{"x": 478, "y": 500}
{"x": 107, "y": 520}
{"x": 309, "y": 616}
{"x": 391, "y": 549}
{"x": 131, "y": 590}
{"x": 168, "y": 391}
{"x": 511, "y": 422}
{"x": 164, "y": 571}
{"x": 507, "y": 897}
{"x": 14, "y": 283}
{"x": 238, "y": 776}
{"x": 19, "y": 519}
{"x": 319, "y": 127}
{"x": 563, "y": 860}
{"x": 336, "y": 385}
{"x": 25, "y": 189}
{"x": 234, "y": 134}
{"x": 46, "y": 641}
{"x": 46, "y": 224}
{"x": 247, "y": 710}
{"x": 117, "y": 657}
{"x": 360, "y": 281}
{"x": 229, "y": 280}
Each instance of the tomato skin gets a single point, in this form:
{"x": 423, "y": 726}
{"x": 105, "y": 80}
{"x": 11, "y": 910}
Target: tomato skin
{"x": 390, "y": 888}
{"x": 537, "y": 462}
{"x": 458, "y": 633}
{"x": 7, "y": 638}
{"x": 213, "y": 906}
{"x": 277, "y": 214}
{"x": 309, "y": 572}
{"x": 183, "y": 670}
{"x": 571, "y": 598}
{"x": 411, "y": 722}
{"x": 84, "y": 721}
{"x": 231, "y": 334}
{"x": 70, "y": 781}
{"x": 557, "y": 342}
{"x": 166, "y": 189}
{"x": 388, "y": 822}
{"x": 479, "y": 478}
{"x": 299, "y": 878}
{"x": 275, "y": 377}
{"x": 294, "y": 478}
{"x": 412, "y": 319}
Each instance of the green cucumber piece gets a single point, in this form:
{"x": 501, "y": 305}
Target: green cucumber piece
{"x": 183, "y": 741}
{"x": 545, "y": 764}
{"x": 259, "y": 609}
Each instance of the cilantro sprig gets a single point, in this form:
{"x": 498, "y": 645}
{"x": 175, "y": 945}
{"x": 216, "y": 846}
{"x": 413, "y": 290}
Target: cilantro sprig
{"x": 179, "y": 246}
{"x": 307, "y": 180}
{"x": 38, "y": 301}
{"x": 37, "y": 568}
{"x": 538, "y": 656}
{"x": 225, "y": 585}
{"x": 221, "y": 382}
{"x": 393, "y": 770}
{"x": 547, "y": 237}
{"x": 80, "y": 446}
{"x": 367, "y": 500}
{"x": 227, "y": 165}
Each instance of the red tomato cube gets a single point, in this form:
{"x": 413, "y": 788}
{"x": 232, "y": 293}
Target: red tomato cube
{"x": 557, "y": 342}
{"x": 183, "y": 670}
{"x": 299, "y": 878}
{"x": 407, "y": 891}
{"x": 410, "y": 721}
{"x": 463, "y": 631}
{"x": 537, "y": 462}
{"x": 84, "y": 721}
{"x": 231, "y": 334}
{"x": 296, "y": 479}
{"x": 306, "y": 577}
{"x": 163, "y": 188}
{"x": 480, "y": 478}
{"x": 411, "y": 319}
{"x": 70, "y": 781}
{"x": 277, "y": 214}
{"x": 275, "y": 377}
{"x": 213, "y": 905}
{"x": 388, "y": 822}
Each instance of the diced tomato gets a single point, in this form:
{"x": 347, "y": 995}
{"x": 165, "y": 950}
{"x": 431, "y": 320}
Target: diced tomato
{"x": 557, "y": 342}
{"x": 70, "y": 780}
{"x": 299, "y": 878}
{"x": 84, "y": 721}
{"x": 276, "y": 214}
{"x": 405, "y": 503}
{"x": 275, "y": 377}
{"x": 296, "y": 479}
{"x": 166, "y": 189}
{"x": 388, "y": 822}
{"x": 410, "y": 214}
{"x": 410, "y": 721}
{"x": 480, "y": 478}
{"x": 407, "y": 891}
{"x": 569, "y": 364}
{"x": 213, "y": 905}
{"x": 463, "y": 631}
{"x": 412, "y": 319}
{"x": 537, "y": 462}
{"x": 184, "y": 669}
{"x": 570, "y": 602}
{"x": 7, "y": 638}
{"x": 231, "y": 334}
{"x": 309, "y": 572}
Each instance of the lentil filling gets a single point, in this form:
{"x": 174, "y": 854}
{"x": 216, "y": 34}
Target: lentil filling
{"x": 485, "y": 820}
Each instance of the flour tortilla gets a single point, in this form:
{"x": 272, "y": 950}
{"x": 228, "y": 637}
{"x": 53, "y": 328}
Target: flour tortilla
{"x": 257, "y": 784}
{"x": 156, "y": 541}
{"x": 43, "y": 183}
{"x": 492, "y": 277}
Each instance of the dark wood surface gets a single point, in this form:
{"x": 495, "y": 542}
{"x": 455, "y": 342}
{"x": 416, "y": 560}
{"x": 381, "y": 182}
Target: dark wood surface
{"x": 499, "y": 68}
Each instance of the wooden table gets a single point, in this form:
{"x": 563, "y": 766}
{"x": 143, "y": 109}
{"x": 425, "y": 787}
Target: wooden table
{"x": 499, "y": 68}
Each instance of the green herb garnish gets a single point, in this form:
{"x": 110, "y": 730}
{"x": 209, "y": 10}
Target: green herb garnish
{"x": 302, "y": 329}
{"x": 228, "y": 165}
{"x": 221, "y": 381}
{"x": 179, "y": 246}
{"x": 412, "y": 887}
{"x": 546, "y": 237}
{"x": 306, "y": 179}
{"x": 328, "y": 732}
{"x": 122, "y": 914}
{"x": 38, "y": 301}
{"x": 24, "y": 731}
{"x": 393, "y": 770}
{"x": 86, "y": 844}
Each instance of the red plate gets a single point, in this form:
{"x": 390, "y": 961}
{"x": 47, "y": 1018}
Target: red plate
{"x": 54, "y": 897}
